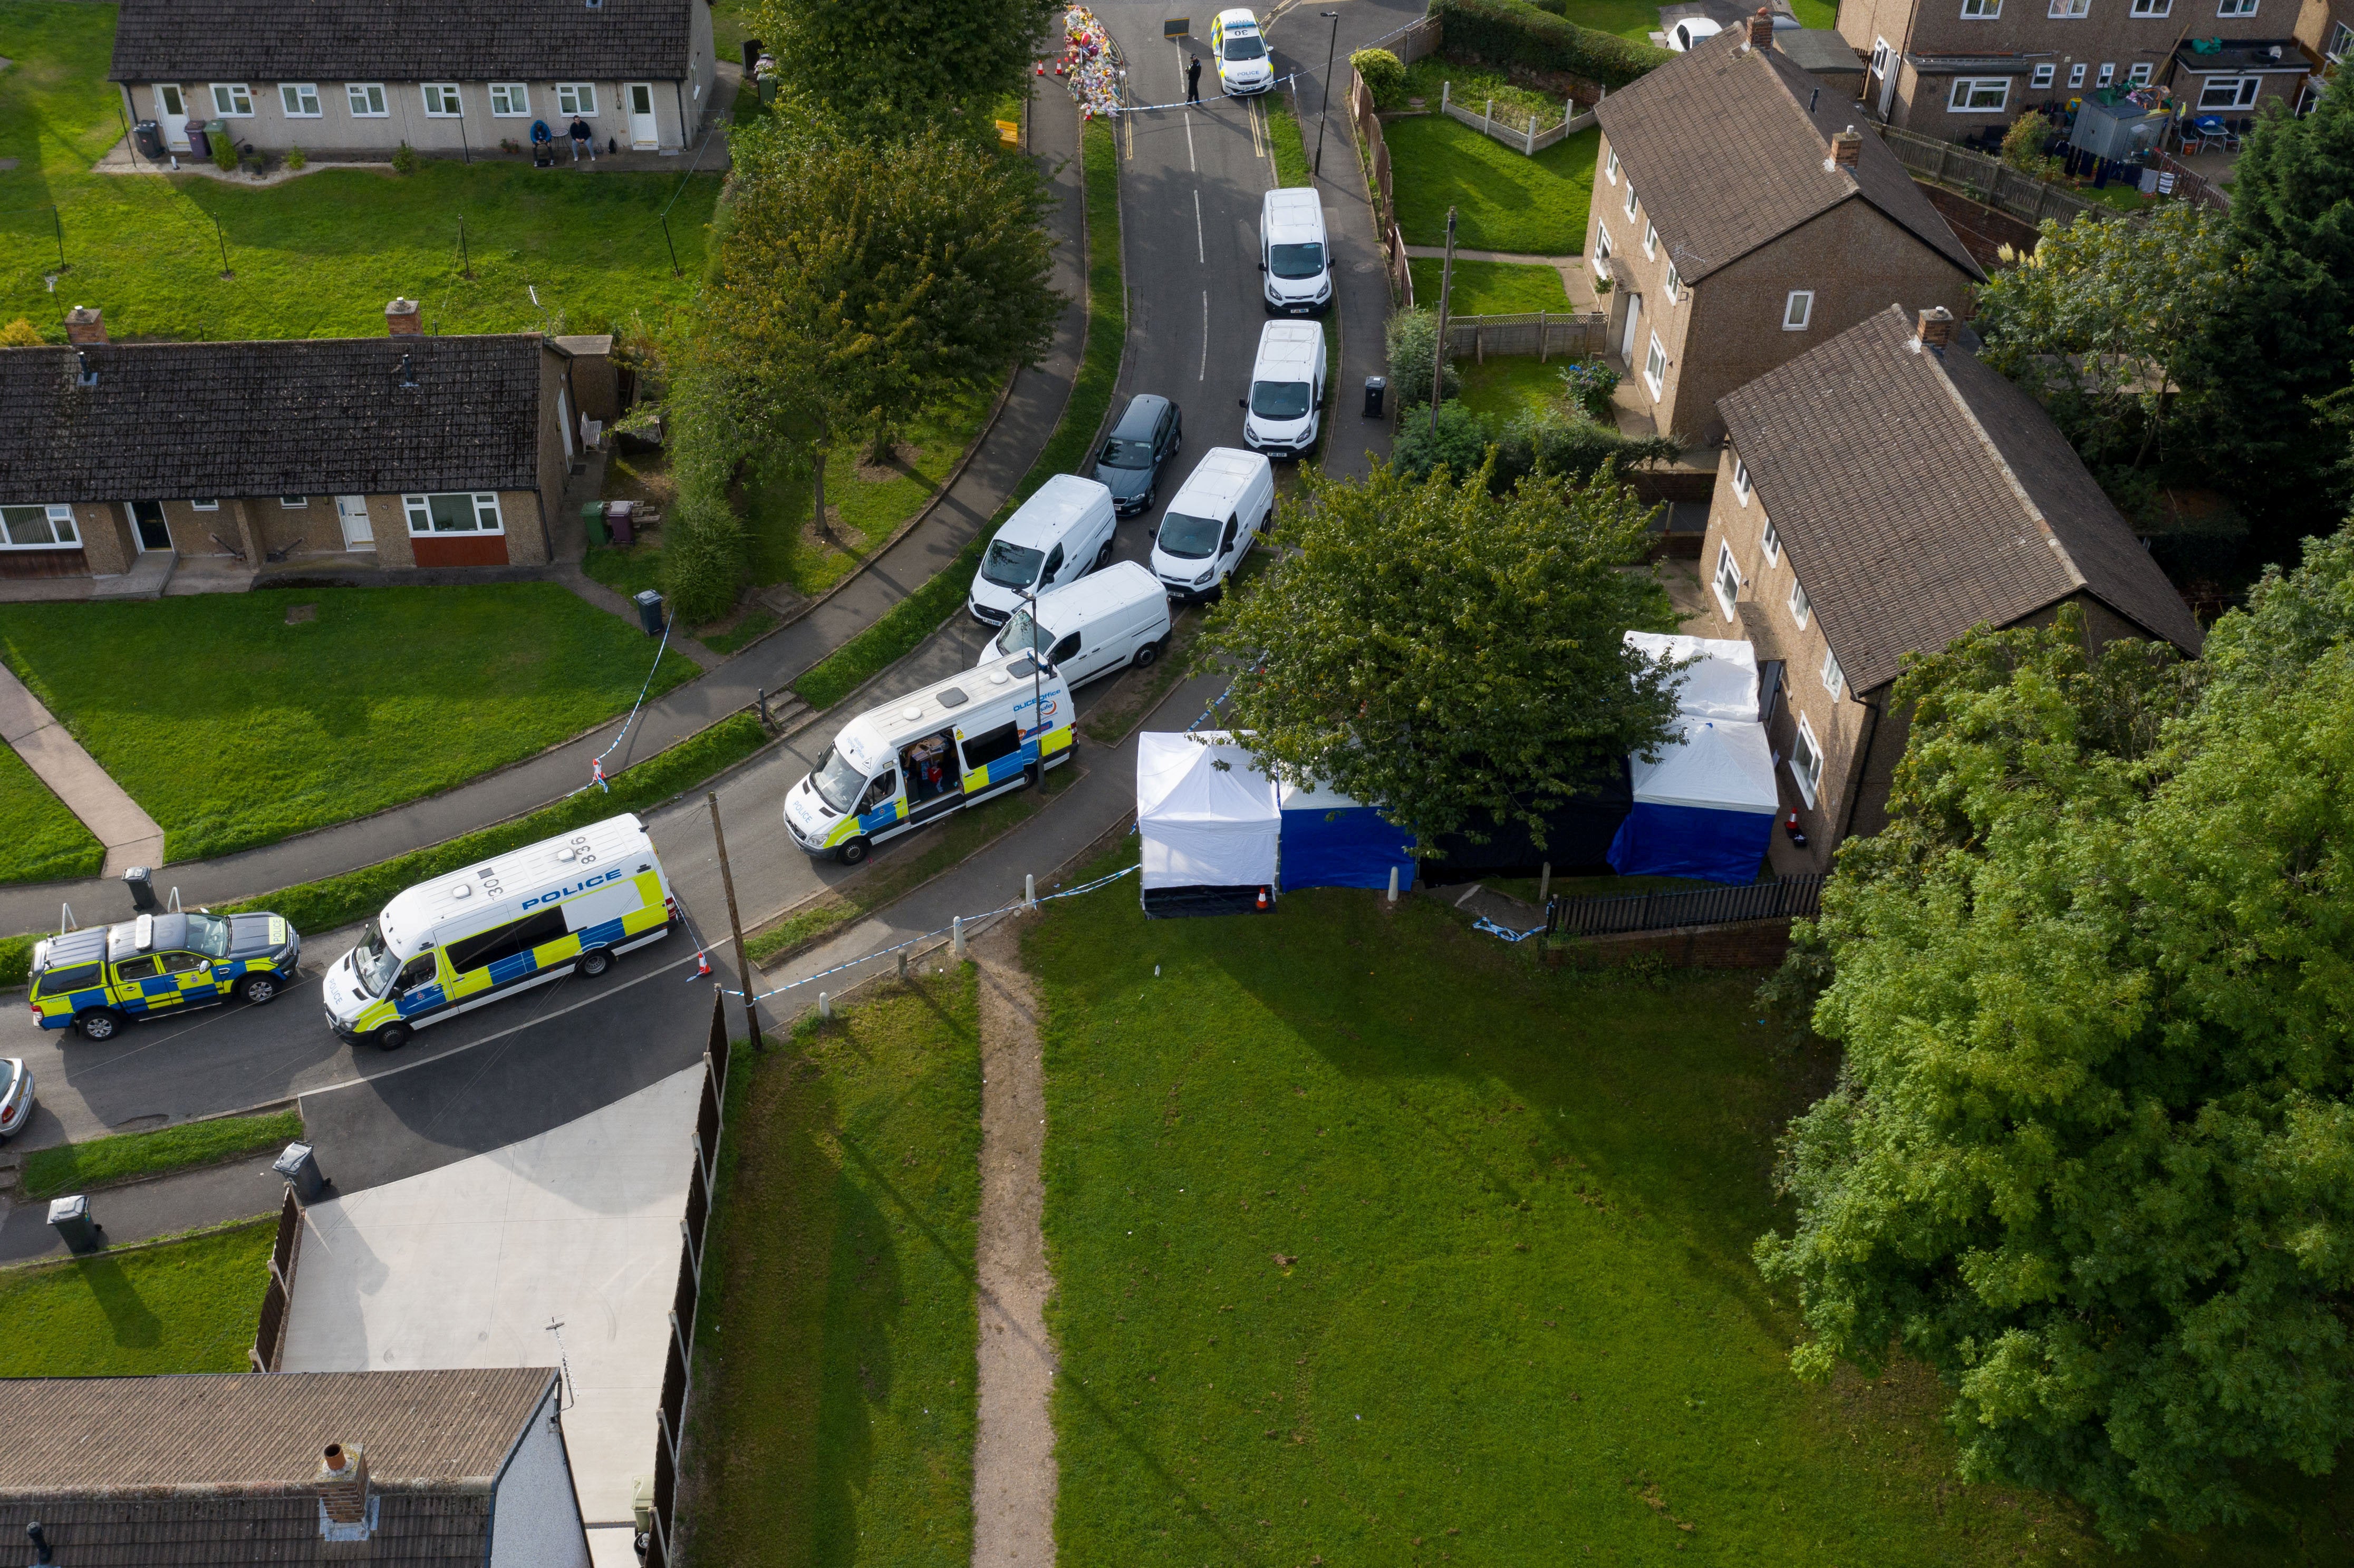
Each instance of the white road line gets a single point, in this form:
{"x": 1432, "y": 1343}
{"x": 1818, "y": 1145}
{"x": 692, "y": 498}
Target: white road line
{"x": 1204, "y": 375}
{"x": 1200, "y": 253}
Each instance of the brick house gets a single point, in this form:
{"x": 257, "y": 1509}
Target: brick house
{"x": 344, "y": 78}
{"x": 1740, "y": 221}
{"x": 2326, "y": 31}
{"x": 404, "y": 450}
{"x": 1878, "y": 496}
{"x": 1954, "y": 68}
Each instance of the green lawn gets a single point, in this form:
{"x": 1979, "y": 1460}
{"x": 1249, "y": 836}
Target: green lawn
{"x": 1285, "y": 142}
{"x": 1473, "y": 86}
{"x": 317, "y": 256}
{"x": 1489, "y": 288}
{"x": 1505, "y": 386}
{"x": 45, "y": 841}
{"x": 1504, "y": 201}
{"x": 234, "y": 729}
{"x": 183, "y": 1307}
{"x": 838, "y": 1426}
{"x": 79, "y": 1167}
{"x": 1375, "y": 1243}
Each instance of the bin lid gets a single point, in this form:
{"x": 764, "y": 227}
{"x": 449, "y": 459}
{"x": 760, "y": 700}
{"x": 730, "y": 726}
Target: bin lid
{"x": 1372, "y": 381}
{"x": 291, "y": 1163}
{"x": 63, "y": 1210}
{"x": 137, "y": 873}
{"x": 649, "y": 595}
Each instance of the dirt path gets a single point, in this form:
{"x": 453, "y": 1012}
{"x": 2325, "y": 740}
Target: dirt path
{"x": 1014, "y": 1459}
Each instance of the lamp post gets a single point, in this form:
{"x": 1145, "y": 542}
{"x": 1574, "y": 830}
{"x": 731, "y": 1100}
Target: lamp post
{"x": 1037, "y": 676}
{"x": 1323, "y": 110}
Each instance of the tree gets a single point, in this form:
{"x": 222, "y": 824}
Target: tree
{"x": 2023, "y": 144}
{"x": 1414, "y": 344}
{"x": 888, "y": 71}
{"x": 2091, "y": 1155}
{"x": 1443, "y": 652}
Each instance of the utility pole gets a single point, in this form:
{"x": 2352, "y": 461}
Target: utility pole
{"x": 734, "y": 925}
{"x": 1323, "y": 110}
{"x": 1037, "y": 678}
{"x": 1439, "y": 353}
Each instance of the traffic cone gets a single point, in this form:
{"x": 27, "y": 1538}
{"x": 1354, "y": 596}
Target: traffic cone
{"x": 1262, "y": 898}
{"x": 702, "y": 964}
{"x": 1042, "y": 67}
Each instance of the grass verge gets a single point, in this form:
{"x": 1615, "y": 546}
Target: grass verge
{"x": 1504, "y": 200}
{"x": 102, "y": 1161}
{"x": 186, "y": 1305}
{"x": 839, "y": 1423}
{"x": 1507, "y": 385}
{"x": 1490, "y": 288}
{"x": 915, "y": 617}
{"x": 45, "y": 840}
{"x": 300, "y": 727}
{"x": 1284, "y": 142}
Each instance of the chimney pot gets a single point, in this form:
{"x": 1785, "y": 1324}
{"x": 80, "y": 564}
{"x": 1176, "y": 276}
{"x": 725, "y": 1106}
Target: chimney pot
{"x": 1847, "y": 147}
{"x": 85, "y": 324}
{"x": 343, "y": 1483}
{"x": 1761, "y": 29}
{"x": 1937, "y": 329}
{"x": 401, "y": 318}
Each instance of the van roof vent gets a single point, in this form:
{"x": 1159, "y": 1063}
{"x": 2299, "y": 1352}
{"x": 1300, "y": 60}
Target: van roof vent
{"x": 912, "y": 711}
{"x": 952, "y": 698}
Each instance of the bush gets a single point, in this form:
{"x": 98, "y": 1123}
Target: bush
{"x": 1413, "y": 341}
{"x": 404, "y": 159}
{"x": 2022, "y": 145}
{"x": 1459, "y": 444}
{"x": 20, "y": 333}
{"x": 296, "y": 158}
{"x": 1546, "y": 440}
{"x": 225, "y": 153}
{"x": 1588, "y": 382}
{"x": 1384, "y": 76}
{"x": 1514, "y": 32}
{"x": 702, "y": 559}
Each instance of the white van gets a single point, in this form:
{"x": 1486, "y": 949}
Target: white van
{"x": 967, "y": 739}
{"x": 1056, "y": 536}
{"x": 1211, "y": 521}
{"x": 1292, "y": 253}
{"x": 519, "y": 920}
{"x": 1104, "y": 622}
{"x": 1282, "y": 413}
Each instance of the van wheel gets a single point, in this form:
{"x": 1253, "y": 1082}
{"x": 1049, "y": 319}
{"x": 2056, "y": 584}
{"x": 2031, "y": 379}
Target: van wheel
{"x": 1146, "y": 656}
{"x": 391, "y": 1037}
{"x": 258, "y": 989}
{"x": 1103, "y": 558}
{"x": 853, "y": 853}
{"x": 595, "y": 962}
{"x": 99, "y": 1024}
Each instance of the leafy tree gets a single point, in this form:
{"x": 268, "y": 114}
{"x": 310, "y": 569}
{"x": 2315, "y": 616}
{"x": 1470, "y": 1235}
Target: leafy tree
{"x": 1413, "y": 345}
{"x": 888, "y": 70}
{"x": 2091, "y": 1155}
{"x": 2022, "y": 145}
{"x": 1459, "y": 445}
{"x": 1445, "y": 652}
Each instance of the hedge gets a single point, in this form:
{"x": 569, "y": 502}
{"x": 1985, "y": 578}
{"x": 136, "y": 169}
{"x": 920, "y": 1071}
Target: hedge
{"x": 1514, "y": 32}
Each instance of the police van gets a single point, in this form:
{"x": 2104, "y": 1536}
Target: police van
{"x": 970, "y": 738}
{"x": 520, "y": 919}
{"x": 99, "y": 978}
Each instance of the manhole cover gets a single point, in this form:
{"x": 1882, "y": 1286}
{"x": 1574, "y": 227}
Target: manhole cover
{"x": 300, "y": 613}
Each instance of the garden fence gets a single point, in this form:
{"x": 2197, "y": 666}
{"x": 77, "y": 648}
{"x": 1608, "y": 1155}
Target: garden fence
{"x": 1541, "y": 333}
{"x": 1526, "y": 139}
{"x": 2188, "y": 182}
{"x": 1791, "y": 897}
{"x": 270, "y": 1335}
{"x": 1990, "y": 180}
{"x": 1377, "y": 172}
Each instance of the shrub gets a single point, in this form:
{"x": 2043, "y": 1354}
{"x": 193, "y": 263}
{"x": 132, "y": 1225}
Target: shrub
{"x": 1459, "y": 444}
{"x": 702, "y": 559}
{"x": 1514, "y": 32}
{"x": 1546, "y": 440}
{"x": 20, "y": 333}
{"x": 225, "y": 153}
{"x": 296, "y": 158}
{"x": 1413, "y": 341}
{"x": 2022, "y": 145}
{"x": 404, "y": 159}
{"x": 1384, "y": 76}
{"x": 1588, "y": 382}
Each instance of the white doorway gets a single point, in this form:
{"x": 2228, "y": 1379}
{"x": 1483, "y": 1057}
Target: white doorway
{"x": 148, "y": 528}
{"x": 172, "y": 113}
{"x": 1634, "y": 324}
{"x": 352, "y": 511}
{"x": 638, "y": 98}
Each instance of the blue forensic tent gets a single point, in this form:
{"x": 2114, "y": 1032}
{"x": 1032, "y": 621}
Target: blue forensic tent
{"x": 1706, "y": 808}
{"x": 1330, "y": 841}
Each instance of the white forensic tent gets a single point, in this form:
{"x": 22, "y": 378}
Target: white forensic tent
{"x": 1208, "y": 817}
{"x": 1706, "y": 808}
{"x": 1722, "y": 685}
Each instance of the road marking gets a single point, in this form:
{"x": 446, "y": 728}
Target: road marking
{"x": 1200, "y": 253}
{"x": 1252, "y": 110}
{"x": 1203, "y": 374}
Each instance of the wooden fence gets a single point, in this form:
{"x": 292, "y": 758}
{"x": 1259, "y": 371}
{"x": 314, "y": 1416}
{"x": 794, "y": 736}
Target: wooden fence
{"x": 1368, "y": 124}
{"x": 1990, "y": 180}
{"x": 1526, "y": 140}
{"x": 1544, "y": 333}
{"x": 1799, "y": 897}
{"x": 270, "y": 1335}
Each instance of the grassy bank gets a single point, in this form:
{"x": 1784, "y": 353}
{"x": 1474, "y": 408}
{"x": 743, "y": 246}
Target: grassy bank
{"x": 44, "y": 841}
{"x": 838, "y": 1426}
{"x": 183, "y": 1307}
{"x": 79, "y": 1167}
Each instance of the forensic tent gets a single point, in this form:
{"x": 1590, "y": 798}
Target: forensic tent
{"x": 1330, "y": 841}
{"x": 1211, "y": 827}
{"x": 1578, "y": 834}
{"x": 1706, "y": 808}
{"x": 1721, "y": 684}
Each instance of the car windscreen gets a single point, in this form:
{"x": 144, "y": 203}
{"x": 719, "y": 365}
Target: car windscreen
{"x": 374, "y": 962}
{"x": 1120, "y": 454}
{"x": 208, "y": 935}
{"x": 838, "y": 780}
{"x": 1021, "y": 635}
{"x": 1188, "y": 538}
{"x": 1012, "y": 566}
{"x": 1295, "y": 260}
{"x": 1246, "y": 46}
{"x": 1280, "y": 399}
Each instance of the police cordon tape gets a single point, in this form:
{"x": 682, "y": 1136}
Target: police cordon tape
{"x": 1144, "y": 108}
{"x": 1484, "y": 923}
{"x": 597, "y": 763}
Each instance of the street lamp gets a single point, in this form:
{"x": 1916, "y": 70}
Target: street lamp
{"x": 1323, "y": 116}
{"x": 1038, "y": 677}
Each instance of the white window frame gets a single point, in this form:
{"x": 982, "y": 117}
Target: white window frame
{"x": 2235, "y": 7}
{"x": 2243, "y": 91}
{"x": 1963, "y": 100}
{"x": 1771, "y": 541}
{"x": 1834, "y": 678}
{"x": 517, "y": 96}
{"x": 2107, "y": 74}
{"x": 1880, "y": 52}
{"x": 1741, "y": 482}
{"x": 2341, "y": 42}
{"x": 293, "y": 95}
{"x": 2077, "y": 74}
{"x": 1675, "y": 285}
{"x": 433, "y": 92}
{"x": 1982, "y": 10}
{"x": 1630, "y": 198}
{"x": 232, "y": 100}
{"x": 294, "y": 504}
{"x": 2070, "y": 10}
{"x": 1656, "y": 355}
{"x": 418, "y": 511}
{"x": 366, "y": 100}
{"x": 1802, "y": 608}
{"x": 1725, "y": 564}
{"x": 577, "y": 100}
{"x": 205, "y": 503}
{"x": 1601, "y": 248}
{"x": 2138, "y": 73}
{"x": 2045, "y": 75}
{"x": 1651, "y": 238}
{"x": 2152, "y": 9}
{"x": 1809, "y": 776}
{"x": 1610, "y": 169}
{"x": 1800, "y": 303}
{"x": 66, "y": 534}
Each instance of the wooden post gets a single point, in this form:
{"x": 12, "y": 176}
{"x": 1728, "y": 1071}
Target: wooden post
{"x": 1540, "y": 337}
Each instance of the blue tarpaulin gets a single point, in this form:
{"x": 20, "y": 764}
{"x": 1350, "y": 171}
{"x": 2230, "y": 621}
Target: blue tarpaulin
{"x": 1706, "y": 808}
{"x": 1330, "y": 841}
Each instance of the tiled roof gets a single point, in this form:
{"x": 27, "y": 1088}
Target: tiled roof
{"x": 305, "y": 416}
{"x": 1726, "y": 155}
{"x": 400, "y": 40}
{"x": 1920, "y": 494}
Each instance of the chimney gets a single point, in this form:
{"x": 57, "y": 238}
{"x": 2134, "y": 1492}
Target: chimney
{"x": 401, "y": 317}
{"x": 1937, "y": 329}
{"x": 344, "y": 1505}
{"x": 1761, "y": 29}
{"x": 1847, "y": 146}
{"x": 85, "y": 324}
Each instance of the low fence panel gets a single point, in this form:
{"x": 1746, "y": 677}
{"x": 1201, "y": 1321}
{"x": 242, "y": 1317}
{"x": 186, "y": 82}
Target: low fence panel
{"x": 1990, "y": 180}
{"x": 285, "y": 1252}
{"x": 1541, "y": 333}
{"x": 1799, "y": 897}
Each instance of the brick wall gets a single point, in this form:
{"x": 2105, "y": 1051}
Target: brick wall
{"x": 1749, "y": 944}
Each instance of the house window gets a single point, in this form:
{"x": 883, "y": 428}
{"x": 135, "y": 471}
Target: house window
{"x": 1800, "y": 608}
{"x": 1727, "y": 581}
{"x": 2341, "y": 41}
{"x": 2137, "y": 74}
{"x": 205, "y": 503}
{"x": 1799, "y": 310}
{"x": 1982, "y": 94}
{"x": 1655, "y": 365}
{"x": 1601, "y": 246}
{"x": 294, "y": 503}
{"x": 2236, "y": 8}
{"x": 1741, "y": 482}
{"x": 2072, "y": 10}
{"x": 2152, "y": 8}
{"x": 1675, "y": 284}
{"x": 36, "y": 527}
{"x": 1651, "y": 238}
{"x": 299, "y": 99}
{"x": 510, "y": 100}
{"x": 2229, "y": 91}
{"x": 1982, "y": 10}
{"x": 367, "y": 100}
{"x": 2077, "y": 74}
{"x": 1610, "y": 169}
{"x": 1772, "y": 543}
{"x": 2042, "y": 77}
{"x": 1806, "y": 761}
{"x": 2108, "y": 73}
{"x": 467, "y": 511}
{"x": 1630, "y": 198}
{"x": 577, "y": 100}
{"x": 1880, "y": 56}
{"x": 231, "y": 101}
{"x": 1834, "y": 678}
{"x": 442, "y": 100}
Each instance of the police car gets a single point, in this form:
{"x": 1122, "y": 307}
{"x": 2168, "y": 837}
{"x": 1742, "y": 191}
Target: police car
{"x": 97, "y": 979}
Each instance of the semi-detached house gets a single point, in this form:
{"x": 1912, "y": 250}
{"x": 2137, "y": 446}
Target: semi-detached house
{"x": 358, "y": 77}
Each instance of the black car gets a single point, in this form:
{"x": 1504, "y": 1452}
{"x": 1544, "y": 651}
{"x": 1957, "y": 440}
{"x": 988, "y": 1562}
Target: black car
{"x": 1147, "y": 437}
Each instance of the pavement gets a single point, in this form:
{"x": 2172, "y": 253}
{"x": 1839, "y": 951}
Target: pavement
{"x": 140, "y": 1211}
{"x": 88, "y": 792}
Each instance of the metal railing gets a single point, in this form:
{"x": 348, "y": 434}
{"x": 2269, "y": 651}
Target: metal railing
{"x": 1799, "y": 897}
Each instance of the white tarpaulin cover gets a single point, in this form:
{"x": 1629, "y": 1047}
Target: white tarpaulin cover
{"x": 1722, "y": 685}
{"x": 1205, "y": 825}
{"x": 1724, "y": 765}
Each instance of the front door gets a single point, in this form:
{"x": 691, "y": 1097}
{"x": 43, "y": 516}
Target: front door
{"x": 352, "y": 511}
{"x": 172, "y": 113}
{"x": 1634, "y": 321}
{"x": 639, "y": 97}
{"x": 147, "y": 524}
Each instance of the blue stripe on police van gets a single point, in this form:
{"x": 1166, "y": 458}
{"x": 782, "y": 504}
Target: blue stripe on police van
{"x": 512, "y": 968}
{"x": 603, "y": 935}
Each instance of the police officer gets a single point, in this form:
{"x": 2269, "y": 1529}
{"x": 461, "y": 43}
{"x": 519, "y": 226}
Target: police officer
{"x": 1193, "y": 81}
